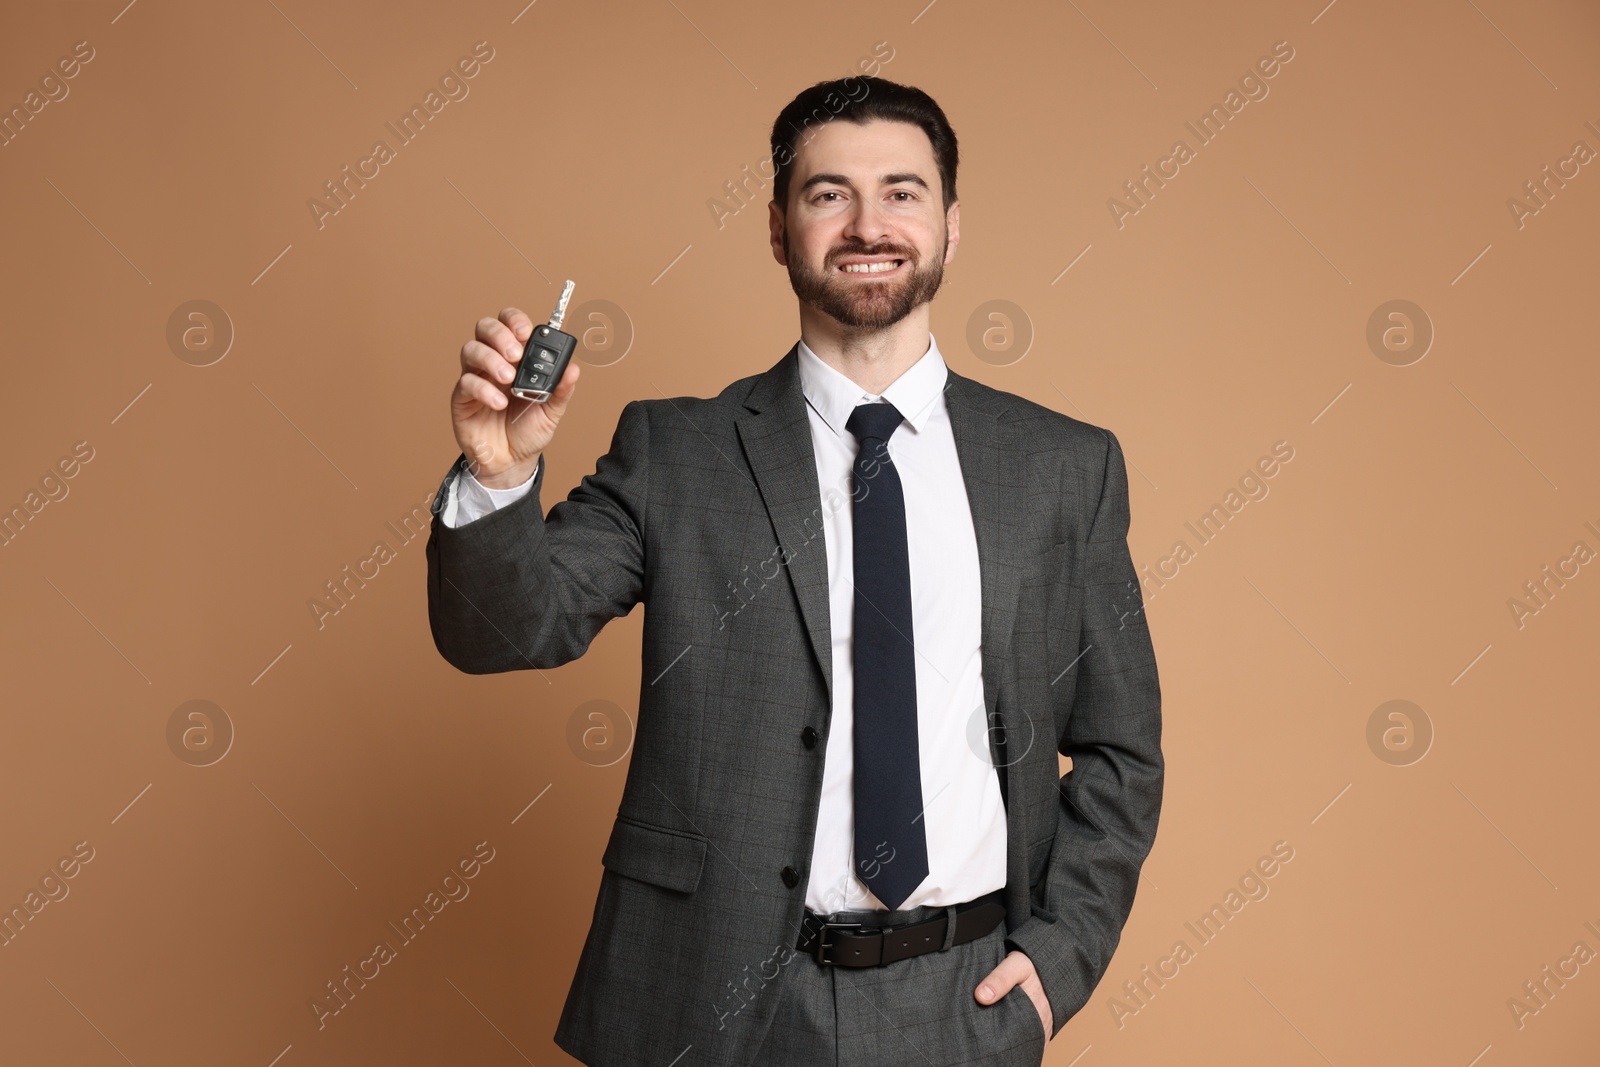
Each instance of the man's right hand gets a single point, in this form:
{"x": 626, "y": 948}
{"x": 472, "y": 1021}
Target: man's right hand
{"x": 502, "y": 435}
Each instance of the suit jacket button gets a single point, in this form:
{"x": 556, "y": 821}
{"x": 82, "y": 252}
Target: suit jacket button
{"x": 791, "y": 877}
{"x": 808, "y": 737}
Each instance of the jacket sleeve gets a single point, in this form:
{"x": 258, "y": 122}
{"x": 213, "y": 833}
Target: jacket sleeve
{"x": 1110, "y": 725}
{"x": 517, "y": 590}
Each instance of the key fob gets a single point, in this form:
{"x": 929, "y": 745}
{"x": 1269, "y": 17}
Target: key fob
{"x": 544, "y": 361}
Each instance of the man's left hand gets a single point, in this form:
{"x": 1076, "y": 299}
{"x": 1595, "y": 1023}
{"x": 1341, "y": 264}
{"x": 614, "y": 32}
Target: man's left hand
{"x": 1017, "y": 969}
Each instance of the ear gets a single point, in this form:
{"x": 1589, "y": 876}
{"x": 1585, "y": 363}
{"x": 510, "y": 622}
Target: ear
{"x": 952, "y": 221}
{"x": 775, "y": 225}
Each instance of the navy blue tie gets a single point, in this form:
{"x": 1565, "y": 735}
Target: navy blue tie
{"x": 891, "y": 849}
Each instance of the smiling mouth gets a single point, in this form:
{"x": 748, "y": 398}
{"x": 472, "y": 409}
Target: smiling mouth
{"x": 872, "y": 270}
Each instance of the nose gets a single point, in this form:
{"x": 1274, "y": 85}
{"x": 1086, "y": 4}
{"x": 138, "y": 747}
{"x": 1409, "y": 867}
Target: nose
{"x": 867, "y": 223}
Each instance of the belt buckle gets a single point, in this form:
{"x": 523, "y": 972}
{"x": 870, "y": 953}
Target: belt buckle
{"x": 822, "y": 939}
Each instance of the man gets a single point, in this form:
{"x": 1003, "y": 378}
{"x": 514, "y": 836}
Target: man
{"x": 880, "y": 598}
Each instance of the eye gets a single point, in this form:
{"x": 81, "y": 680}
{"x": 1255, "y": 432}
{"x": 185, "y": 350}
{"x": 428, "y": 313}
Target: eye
{"x": 830, "y": 192}
{"x": 904, "y": 192}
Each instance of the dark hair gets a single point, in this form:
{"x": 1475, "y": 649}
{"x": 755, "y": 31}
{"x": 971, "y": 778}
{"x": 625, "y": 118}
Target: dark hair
{"x": 861, "y": 100}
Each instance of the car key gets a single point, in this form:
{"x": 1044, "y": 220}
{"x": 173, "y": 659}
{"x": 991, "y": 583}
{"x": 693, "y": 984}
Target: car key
{"x": 546, "y": 355}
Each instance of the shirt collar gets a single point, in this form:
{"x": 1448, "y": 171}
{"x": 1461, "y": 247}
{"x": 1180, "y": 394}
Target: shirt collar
{"x": 835, "y": 396}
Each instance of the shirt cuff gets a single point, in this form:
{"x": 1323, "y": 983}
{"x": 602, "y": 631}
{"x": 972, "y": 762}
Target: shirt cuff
{"x": 470, "y": 499}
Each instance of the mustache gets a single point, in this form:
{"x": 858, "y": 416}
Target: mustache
{"x": 882, "y": 250}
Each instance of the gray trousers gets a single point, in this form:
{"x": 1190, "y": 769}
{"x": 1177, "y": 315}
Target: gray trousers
{"x": 919, "y": 1012}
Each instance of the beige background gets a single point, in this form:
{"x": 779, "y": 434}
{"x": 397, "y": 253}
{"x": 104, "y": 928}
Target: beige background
{"x": 1228, "y": 314}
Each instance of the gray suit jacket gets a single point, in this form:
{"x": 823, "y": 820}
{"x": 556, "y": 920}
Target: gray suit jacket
{"x": 708, "y": 511}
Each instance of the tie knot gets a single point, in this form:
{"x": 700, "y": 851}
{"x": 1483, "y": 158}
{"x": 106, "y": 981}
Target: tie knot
{"x": 874, "y": 421}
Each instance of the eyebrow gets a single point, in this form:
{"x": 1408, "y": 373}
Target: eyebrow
{"x": 839, "y": 179}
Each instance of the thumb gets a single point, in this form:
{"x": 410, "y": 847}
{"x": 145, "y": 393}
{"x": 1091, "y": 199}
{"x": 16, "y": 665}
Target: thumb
{"x": 998, "y": 982}
{"x": 556, "y": 406}
{"x": 537, "y": 433}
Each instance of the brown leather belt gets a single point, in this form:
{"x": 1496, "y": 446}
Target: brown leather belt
{"x": 855, "y": 945}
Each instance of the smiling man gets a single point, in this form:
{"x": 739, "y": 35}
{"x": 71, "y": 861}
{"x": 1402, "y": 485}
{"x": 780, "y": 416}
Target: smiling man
{"x": 881, "y": 598}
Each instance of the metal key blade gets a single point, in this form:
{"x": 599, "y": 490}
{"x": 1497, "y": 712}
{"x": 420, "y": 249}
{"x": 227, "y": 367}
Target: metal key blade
{"x": 561, "y": 305}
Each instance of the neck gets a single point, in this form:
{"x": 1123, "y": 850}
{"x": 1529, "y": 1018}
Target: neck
{"x": 872, "y": 359}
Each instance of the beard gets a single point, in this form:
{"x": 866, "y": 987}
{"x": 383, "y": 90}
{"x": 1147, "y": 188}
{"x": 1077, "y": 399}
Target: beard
{"x": 866, "y": 304}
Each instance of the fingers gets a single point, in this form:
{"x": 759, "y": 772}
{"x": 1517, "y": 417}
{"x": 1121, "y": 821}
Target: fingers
{"x": 471, "y": 387}
{"x": 520, "y": 325}
{"x": 492, "y": 356}
{"x": 488, "y": 361}
{"x": 997, "y": 983}
{"x": 502, "y": 334}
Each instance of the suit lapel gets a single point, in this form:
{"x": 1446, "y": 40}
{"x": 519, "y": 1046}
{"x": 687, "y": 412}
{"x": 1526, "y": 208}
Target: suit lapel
{"x": 776, "y": 436}
{"x": 992, "y": 467}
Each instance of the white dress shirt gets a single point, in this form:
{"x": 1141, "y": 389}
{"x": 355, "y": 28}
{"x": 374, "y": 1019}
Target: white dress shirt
{"x": 963, "y": 817}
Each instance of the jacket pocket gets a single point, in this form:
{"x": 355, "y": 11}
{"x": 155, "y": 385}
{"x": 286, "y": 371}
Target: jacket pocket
{"x": 671, "y": 859}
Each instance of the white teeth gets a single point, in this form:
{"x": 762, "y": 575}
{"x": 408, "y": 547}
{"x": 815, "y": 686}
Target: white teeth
{"x": 871, "y": 268}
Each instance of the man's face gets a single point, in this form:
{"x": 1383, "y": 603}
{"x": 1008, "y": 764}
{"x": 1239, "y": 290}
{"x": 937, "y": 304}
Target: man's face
{"x": 864, "y": 194}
